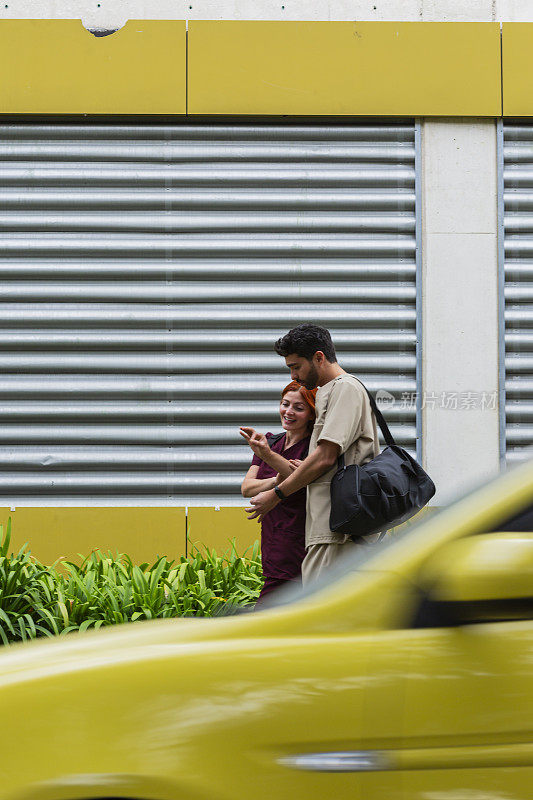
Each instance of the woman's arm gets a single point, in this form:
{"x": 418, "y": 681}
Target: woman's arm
{"x": 251, "y": 485}
{"x": 280, "y": 464}
{"x": 259, "y": 445}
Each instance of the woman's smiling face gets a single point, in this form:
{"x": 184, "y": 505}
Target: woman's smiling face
{"x": 294, "y": 412}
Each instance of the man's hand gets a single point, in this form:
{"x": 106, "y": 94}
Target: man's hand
{"x": 262, "y": 503}
{"x": 257, "y": 441}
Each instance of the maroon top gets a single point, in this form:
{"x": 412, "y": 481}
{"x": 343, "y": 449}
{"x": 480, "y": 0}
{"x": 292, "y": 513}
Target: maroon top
{"x": 283, "y": 528}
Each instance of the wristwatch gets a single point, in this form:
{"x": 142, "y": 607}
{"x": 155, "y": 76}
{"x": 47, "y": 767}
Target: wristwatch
{"x": 279, "y": 493}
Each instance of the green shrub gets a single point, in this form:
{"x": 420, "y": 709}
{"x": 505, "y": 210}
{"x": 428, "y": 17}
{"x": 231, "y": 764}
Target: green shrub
{"x": 21, "y": 579}
{"x": 36, "y": 600}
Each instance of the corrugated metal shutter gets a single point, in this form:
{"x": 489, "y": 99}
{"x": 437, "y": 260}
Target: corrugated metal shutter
{"x": 518, "y": 204}
{"x": 146, "y": 271}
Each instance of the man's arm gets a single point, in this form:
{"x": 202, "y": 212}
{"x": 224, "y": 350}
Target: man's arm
{"x": 320, "y": 461}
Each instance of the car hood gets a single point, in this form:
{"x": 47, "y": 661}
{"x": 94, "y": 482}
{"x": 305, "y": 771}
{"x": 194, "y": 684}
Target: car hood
{"x": 115, "y": 644}
{"x": 328, "y": 611}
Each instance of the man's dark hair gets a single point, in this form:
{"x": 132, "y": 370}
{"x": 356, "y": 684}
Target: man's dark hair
{"x": 304, "y": 341}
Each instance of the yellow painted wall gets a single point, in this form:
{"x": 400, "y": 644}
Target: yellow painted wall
{"x": 58, "y": 67}
{"x": 247, "y": 67}
{"x": 517, "y": 67}
{"x": 361, "y": 68}
{"x": 216, "y": 529}
{"x": 142, "y": 533}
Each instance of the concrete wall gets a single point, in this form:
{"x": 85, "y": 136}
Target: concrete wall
{"x": 113, "y": 13}
{"x": 460, "y": 303}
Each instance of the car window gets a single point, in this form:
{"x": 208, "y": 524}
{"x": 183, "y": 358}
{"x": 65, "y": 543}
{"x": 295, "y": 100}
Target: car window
{"x": 520, "y": 522}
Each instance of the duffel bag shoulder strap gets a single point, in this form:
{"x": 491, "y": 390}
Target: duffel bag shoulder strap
{"x": 380, "y": 419}
{"x": 387, "y": 435}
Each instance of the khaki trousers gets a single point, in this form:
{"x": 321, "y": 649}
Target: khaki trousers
{"x": 320, "y": 558}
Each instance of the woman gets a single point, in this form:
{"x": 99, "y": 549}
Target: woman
{"x": 275, "y": 457}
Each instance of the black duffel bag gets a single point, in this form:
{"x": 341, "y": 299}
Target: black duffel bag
{"x": 387, "y": 490}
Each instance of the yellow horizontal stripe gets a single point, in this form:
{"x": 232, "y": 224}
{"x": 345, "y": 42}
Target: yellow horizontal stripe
{"x": 365, "y": 68}
{"x": 142, "y": 533}
{"x": 360, "y": 68}
{"x": 58, "y": 67}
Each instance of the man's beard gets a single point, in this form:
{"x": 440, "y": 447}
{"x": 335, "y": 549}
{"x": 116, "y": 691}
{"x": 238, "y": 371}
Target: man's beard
{"x": 311, "y": 381}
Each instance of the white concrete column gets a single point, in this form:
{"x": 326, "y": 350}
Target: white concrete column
{"x": 460, "y": 303}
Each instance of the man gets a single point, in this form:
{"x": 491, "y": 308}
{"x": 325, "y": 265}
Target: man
{"x": 344, "y": 424}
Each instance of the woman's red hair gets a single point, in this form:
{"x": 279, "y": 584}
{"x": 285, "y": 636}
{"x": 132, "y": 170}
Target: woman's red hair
{"x": 307, "y": 394}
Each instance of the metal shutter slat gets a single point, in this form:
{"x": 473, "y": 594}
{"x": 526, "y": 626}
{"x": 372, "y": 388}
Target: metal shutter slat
{"x": 518, "y": 296}
{"x": 146, "y": 271}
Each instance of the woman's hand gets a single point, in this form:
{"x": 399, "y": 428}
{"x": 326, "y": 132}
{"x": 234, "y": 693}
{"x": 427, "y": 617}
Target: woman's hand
{"x": 257, "y": 441}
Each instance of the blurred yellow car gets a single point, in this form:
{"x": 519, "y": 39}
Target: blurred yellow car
{"x": 410, "y": 677}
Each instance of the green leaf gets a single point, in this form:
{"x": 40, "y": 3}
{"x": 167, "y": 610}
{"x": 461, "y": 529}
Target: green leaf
{"x": 4, "y": 547}
{"x": 3, "y": 636}
{"x": 6, "y": 619}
